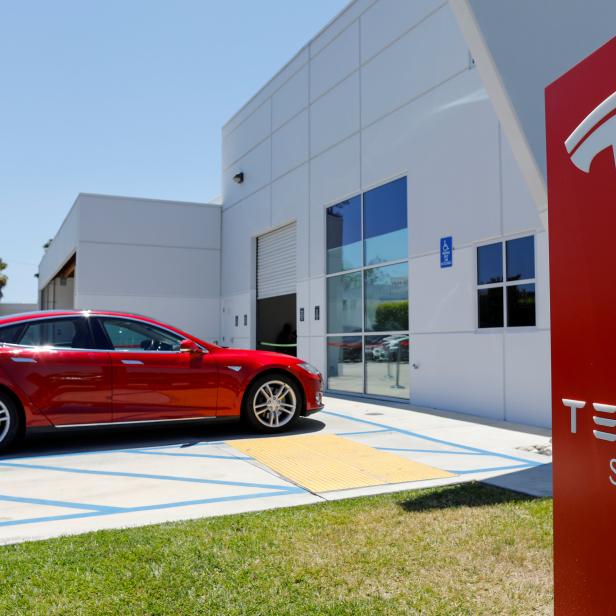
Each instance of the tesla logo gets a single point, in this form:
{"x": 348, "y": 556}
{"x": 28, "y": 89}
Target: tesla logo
{"x": 596, "y": 133}
{"x": 599, "y": 420}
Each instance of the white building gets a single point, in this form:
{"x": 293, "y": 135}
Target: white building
{"x": 401, "y": 124}
{"x": 160, "y": 258}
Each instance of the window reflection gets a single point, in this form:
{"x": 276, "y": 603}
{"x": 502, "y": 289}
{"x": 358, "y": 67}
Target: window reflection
{"x": 520, "y": 266}
{"x": 364, "y": 234}
{"x": 521, "y": 258}
{"x": 491, "y": 307}
{"x": 387, "y": 291}
{"x": 387, "y": 365}
{"x": 490, "y": 263}
{"x": 344, "y": 236}
{"x": 521, "y": 305}
{"x": 344, "y": 303}
{"x": 385, "y": 223}
{"x": 344, "y": 363}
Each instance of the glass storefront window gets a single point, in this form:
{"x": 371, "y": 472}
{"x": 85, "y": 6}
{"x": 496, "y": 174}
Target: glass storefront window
{"x": 344, "y": 303}
{"x": 387, "y": 365}
{"x": 344, "y": 236}
{"x": 386, "y": 298}
{"x": 368, "y": 234}
{"x": 344, "y": 364}
{"x": 385, "y": 223}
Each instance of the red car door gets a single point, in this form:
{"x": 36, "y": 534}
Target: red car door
{"x": 56, "y": 365}
{"x": 153, "y": 379}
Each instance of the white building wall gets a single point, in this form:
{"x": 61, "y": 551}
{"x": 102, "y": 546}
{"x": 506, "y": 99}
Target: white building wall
{"x": 388, "y": 89}
{"x": 62, "y": 248}
{"x": 156, "y": 258}
{"x": 6, "y": 309}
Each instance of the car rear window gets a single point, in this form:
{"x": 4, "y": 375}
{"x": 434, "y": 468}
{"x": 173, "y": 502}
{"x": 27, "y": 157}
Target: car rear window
{"x": 59, "y": 333}
{"x": 9, "y": 334}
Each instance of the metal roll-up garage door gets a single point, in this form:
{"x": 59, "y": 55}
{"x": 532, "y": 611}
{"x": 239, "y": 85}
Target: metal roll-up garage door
{"x": 276, "y": 263}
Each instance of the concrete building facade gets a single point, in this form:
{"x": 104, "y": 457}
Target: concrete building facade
{"x": 389, "y": 90}
{"x": 147, "y": 256}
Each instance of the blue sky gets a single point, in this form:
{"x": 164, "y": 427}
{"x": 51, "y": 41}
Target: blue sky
{"x": 125, "y": 97}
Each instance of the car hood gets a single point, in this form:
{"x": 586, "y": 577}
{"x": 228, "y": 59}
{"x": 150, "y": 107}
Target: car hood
{"x": 266, "y": 357}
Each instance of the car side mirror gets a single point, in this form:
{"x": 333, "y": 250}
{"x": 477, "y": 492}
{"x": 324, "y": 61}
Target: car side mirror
{"x": 189, "y": 346}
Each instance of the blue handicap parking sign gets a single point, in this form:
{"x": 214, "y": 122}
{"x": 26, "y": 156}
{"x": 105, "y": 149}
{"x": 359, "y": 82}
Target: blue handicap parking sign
{"x": 446, "y": 251}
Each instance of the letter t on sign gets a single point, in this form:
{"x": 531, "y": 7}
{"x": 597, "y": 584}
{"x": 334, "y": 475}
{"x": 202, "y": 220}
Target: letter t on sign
{"x": 574, "y": 405}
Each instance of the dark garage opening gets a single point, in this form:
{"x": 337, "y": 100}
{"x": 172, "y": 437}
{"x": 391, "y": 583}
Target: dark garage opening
{"x": 276, "y": 324}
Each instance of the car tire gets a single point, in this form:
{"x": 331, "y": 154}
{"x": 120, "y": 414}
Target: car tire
{"x": 273, "y": 403}
{"x": 9, "y": 421}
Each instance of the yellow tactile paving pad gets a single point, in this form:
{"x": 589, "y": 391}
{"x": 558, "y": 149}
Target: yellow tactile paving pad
{"x": 323, "y": 463}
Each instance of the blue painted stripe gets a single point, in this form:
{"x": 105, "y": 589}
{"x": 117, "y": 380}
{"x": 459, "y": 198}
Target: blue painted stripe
{"x": 361, "y": 432}
{"x": 433, "y": 439}
{"x": 108, "y": 451}
{"x": 184, "y": 445}
{"x": 56, "y": 503}
{"x": 455, "y": 453}
{"x": 185, "y": 455}
{"x": 493, "y": 468}
{"x": 203, "y": 501}
{"x": 52, "y": 518}
{"x": 218, "y": 499}
{"x": 86, "y": 471}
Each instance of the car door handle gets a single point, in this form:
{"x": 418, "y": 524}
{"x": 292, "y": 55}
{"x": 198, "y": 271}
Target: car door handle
{"x": 23, "y": 360}
{"x": 132, "y": 362}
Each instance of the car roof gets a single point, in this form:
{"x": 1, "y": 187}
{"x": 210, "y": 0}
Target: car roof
{"x": 40, "y": 314}
{"x": 37, "y": 314}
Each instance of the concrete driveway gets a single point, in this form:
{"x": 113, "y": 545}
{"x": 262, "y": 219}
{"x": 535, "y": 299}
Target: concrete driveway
{"x": 74, "y": 483}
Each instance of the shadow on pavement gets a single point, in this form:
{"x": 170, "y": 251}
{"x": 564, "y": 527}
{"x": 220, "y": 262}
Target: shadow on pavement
{"x": 536, "y": 481}
{"x": 110, "y": 439}
{"x": 470, "y": 494}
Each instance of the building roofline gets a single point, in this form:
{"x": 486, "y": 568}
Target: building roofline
{"x": 148, "y": 199}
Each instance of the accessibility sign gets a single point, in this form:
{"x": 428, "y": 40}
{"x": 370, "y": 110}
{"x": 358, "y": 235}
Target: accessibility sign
{"x": 446, "y": 251}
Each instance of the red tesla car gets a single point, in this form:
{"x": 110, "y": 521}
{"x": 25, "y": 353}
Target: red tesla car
{"x": 68, "y": 369}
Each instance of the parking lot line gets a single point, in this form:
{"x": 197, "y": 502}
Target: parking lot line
{"x": 90, "y": 471}
{"x": 56, "y": 503}
{"x": 442, "y": 451}
{"x": 184, "y": 455}
{"x": 106, "y": 511}
{"x": 433, "y": 439}
{"x": 493, "y": 469}
{"x": 135, "y": 475}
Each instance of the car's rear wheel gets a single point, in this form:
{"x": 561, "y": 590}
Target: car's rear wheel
{"x": 273, "y": 403}
{"x": 9, "y": 421}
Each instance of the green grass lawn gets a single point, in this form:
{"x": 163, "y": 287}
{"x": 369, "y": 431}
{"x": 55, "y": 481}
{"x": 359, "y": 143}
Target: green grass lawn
{"x": 466, "y": 549}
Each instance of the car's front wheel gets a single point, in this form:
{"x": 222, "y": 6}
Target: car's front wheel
{"x": 9, "y": 421}
{"x": 273, "y": 403}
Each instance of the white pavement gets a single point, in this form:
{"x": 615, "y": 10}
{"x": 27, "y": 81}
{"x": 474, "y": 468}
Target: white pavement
{"x": 80, "y": 482}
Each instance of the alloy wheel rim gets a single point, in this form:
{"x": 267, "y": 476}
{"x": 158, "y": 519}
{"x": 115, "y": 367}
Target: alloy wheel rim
{"x": 274, "y": 404}
{"x": 5, "y": 421}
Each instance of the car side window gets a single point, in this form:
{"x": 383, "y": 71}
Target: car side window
{"x": 66, "y": 333}
{"x": 126, "y": 335}
{"x": 10, "y": 333}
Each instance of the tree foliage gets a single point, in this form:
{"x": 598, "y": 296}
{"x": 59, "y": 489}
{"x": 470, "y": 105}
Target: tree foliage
{"x": 392, "y": 316}
{"x": 3, "y": 277}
